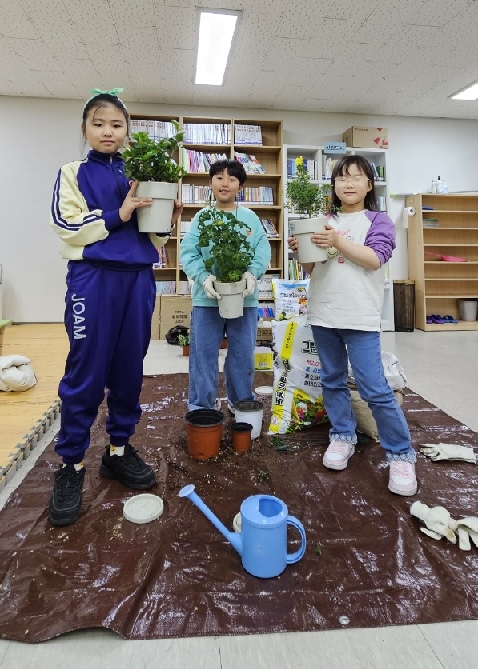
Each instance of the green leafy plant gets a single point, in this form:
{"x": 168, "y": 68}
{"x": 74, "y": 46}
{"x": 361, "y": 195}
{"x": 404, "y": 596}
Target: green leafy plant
{"x": 151, "y": 160}
{"x": 304, "y": 197}
{"x": 230, "y": 253}
{"x": 183, "y": 340}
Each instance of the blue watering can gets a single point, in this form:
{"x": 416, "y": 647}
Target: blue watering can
{"x": 262, "y": 543}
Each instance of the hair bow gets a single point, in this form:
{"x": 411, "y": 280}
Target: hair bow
{"x": 112, "y": 91}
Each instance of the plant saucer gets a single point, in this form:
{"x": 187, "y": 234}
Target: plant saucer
{"x": 143, "y": 508}
{"x": 264, "y": 390}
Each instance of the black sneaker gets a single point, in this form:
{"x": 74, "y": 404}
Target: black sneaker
{"x": 65, "y": 502}
{"x": 127, "y": 468}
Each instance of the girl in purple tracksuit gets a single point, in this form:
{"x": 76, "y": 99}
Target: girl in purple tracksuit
{"x": 344, "y": 306}
{"x": 109, "y": 303}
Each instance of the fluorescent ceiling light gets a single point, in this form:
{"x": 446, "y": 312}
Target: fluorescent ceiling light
{"x": 468, "y": 93}
{"x": 216, "y": 30}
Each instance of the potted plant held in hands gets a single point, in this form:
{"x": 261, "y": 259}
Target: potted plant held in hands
{"x": 150, "y": 162}
{"x": 230, "y": 255}
{"x": 309, "y": 201}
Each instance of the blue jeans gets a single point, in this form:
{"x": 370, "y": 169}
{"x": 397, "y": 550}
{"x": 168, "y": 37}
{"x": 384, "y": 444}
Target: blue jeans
{"x": 334, "y": 348}
{"x": 206, "y": 334}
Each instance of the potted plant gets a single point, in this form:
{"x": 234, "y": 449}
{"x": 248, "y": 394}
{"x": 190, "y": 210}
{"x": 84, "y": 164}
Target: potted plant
{"x": 230, "y": 255}
{"x": 150, "y": 162}
{"x": 183, "y": 340}
{"x": 309, "y": 201}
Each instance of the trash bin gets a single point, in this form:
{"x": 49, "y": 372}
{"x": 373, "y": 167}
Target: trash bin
{"x": 404, "y": 305}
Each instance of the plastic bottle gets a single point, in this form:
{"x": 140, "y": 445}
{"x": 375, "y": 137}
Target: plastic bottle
{"x": 439, "y": 185}
{"x": 444, "y": 186}
{"x": 434, "y": 186}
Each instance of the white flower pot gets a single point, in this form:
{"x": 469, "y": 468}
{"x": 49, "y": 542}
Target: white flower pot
{"x": 302, "y": 230}
{"x": 157, "y": 217}
{"x": 231, "y": 304}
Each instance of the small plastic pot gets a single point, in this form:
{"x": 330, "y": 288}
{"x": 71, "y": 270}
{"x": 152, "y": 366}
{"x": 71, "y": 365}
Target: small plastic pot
{"x": 241, "y": 437}
{"x": 204, "y": 432}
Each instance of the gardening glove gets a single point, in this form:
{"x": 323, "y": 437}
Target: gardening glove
{"x": 438, "y": 452}
{"x": 250, "y": 280}
{"x": 467, "y": 528}
{"x": 437, "y": 520}
{"x": 208, "y": 285}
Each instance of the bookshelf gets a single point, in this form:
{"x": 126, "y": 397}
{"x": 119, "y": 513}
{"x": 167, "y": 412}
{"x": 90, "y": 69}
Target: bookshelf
{"x": 206, "y": 140}
{"x": 321, "y": 166}
{"x": 451, "y": 230}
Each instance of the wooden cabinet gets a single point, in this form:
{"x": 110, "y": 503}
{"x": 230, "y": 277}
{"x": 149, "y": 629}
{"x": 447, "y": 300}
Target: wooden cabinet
{"x": 226, "y": 137}
{"x": 321, "y": 167}
{"x": 443, "y": 226}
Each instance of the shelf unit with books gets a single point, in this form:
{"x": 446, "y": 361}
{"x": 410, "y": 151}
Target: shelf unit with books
{"x": 443, "y": 226}
{"x": 208, "y": 139}
{"x": 321, "y": 165}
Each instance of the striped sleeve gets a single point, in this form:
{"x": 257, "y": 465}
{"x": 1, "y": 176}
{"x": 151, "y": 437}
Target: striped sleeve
{"x": 70, "y": 217}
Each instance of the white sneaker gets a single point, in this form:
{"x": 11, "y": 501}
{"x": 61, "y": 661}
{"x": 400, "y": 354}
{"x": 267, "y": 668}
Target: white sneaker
{"x": 338, "y": 454}
{"x": 402, "y": 478}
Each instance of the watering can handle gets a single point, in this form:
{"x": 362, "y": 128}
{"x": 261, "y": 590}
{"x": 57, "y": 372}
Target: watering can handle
{"x": 295, "y": 557}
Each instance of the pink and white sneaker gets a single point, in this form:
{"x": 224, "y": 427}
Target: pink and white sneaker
{"x": 338, "y": 454}
{"x": 402, "y": 478}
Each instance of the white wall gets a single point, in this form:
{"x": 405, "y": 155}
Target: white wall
{"x": 40, "y": 135}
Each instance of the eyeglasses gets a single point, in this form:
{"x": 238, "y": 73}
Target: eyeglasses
{"x": 356, "y": 180}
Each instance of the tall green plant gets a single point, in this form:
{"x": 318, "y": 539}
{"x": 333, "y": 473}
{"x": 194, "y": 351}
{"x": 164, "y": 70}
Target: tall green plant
{"x": 230, "y": 251}
{"x": 304, "y": 197}
{"x": 149, "y": 159}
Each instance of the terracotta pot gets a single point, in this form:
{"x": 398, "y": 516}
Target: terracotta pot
{"x": 241, "y": 437}
{"x": 204, "y": 432}
{"x": 186, "y": 350}
{"x": 223, "y": 344}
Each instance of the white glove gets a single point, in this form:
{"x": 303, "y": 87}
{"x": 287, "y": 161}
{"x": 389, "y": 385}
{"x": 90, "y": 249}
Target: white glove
{"x": 437, "y": 520}
{"x": 250, "y": 280}
{"x": 467, "y": 528}
{"x": 438, "y": 452}
{"x": 208, "y": 285}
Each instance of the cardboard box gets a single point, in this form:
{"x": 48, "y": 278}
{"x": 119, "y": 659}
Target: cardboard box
{"x": 366, "y": 138}
{"x": 264, "y": 334}
{"x": 155, "y": 318}
{"x": 175, "y": 310}
{"x": 263, "y": 358}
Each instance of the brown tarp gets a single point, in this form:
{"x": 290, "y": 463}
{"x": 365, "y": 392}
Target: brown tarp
{"x": 177, "y": 576}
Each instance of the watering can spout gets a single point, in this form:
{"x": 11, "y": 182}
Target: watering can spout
{"x": 234, "y": 538}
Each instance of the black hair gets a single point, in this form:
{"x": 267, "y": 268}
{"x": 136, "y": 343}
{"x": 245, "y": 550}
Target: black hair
{"x": 103, "y": 100}
{"x": 233, "y": 167}
{"x": 342, "y": 169}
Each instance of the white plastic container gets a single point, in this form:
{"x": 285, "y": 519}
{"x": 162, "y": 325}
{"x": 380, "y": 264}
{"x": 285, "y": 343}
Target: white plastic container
{"x": 468, "y": 309}
{"x": 250, "y": 411}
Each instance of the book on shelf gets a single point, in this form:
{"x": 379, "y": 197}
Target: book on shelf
{"x": 269, "y": 227}
{"x": 207, "y": 133}
{"x": 312, "y": 167}
{"x": 168, "y": 287}
{"x": 185, "y": 227}
{"x": 194, "y": 194}
{"x": 199, "y": 162}
{"x": 261, "y": 195}
{"x": 163, "y": 261}
{"x": 295, "y": 271}
{"x": 184, "y": 287}
{"x": 266, "y": 310}
{"x": 265, "y": 286}
{"x": 155, "y": 129}
{"x": 250, "y": 163}
{"x": 247, "y": 134}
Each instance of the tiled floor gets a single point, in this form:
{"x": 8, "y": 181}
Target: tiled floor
{"x": 443, "y": 368}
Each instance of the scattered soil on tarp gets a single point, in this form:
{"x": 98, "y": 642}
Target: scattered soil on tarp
{"x": 178, "y": 576}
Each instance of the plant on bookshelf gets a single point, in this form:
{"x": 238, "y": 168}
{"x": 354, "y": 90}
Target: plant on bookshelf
{"x": 230, "y": 255}
{"x": 150, "y": 162}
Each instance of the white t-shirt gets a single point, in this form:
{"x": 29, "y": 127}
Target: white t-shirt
{"x": 341, "y": 293}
